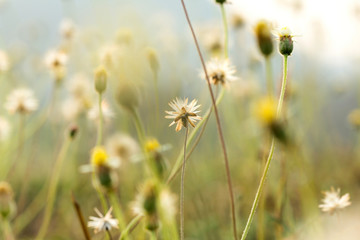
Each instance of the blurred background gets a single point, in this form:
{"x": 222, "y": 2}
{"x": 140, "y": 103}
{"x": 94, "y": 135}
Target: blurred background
{"x": 323, "y": 89}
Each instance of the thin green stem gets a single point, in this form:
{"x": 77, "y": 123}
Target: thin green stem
{"x": 52, "y": 188}
{"x": 269, "y": 78}
{"x": 218, "y": 124}
{"x": 139, "y": 127}
{"x": 226, "y": 31}
{"x": 117, "y": 209}
{"x": 7, "y": 230}
{"x": 101, "y": 121}
{"x": 100, "y": 193}
{"x": 153, "y": 235}
{"x": 134, "y": 222}
{"x": 271, "y": 153}
{"x": 182, "y": 198}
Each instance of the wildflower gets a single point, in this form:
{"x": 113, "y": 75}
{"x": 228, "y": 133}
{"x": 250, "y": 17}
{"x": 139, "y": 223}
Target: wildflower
{"x": 122, "y": 147}
{"x": 100, "y": 79}
{"x": 153, "y": 59}
{"x": 94, "y": 115}
{"x": 152, "y": 145}
{"x": 56, "y": 60}
{"x": 104, "y": 167}
{"x": 67, "y": 29}
{"x": 212, "y": 39}
{"x": 157, "y": 161}
{"x": 7, "y": 204}
{"x": 264, "y": 38}
{"x": 266, "y": 112}
{"x": 127, "y": 96}
{"x": 108, "y": 54}
{"x": 71, "y": 108}
{"x": 4, "y": 129}
{"x": 332, "y": 201}
{"x": 220, "y": 71}
{"x": 168, "y": 204}
{"x": 237, "y": 20}
{"x": 80, "y": 86}
{"x": 286, "y": 44}
{"x": 184, "y": 113}
{"x": 146, "y": 204}
{"x": 21, "y": 100}
{"x": 103, "y": 223}
{"x": 4, "y": 61}
{"x": 266, "y": 109}
{"x": 354, "y": 118}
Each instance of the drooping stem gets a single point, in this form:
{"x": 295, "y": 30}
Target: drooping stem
{"x": 226, "y": 31}
{"x": 221, "y": 136}
{"x": 182, "y": 190}
{"x": 268, "y": 161}
{"x": 52, "y": 188}
{"x": 133, "y": 223}
{"x": 100, "y": 127}
{"x": 80, "y": 217}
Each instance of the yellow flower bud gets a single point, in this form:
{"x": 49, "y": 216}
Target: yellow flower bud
{"x": 99, "y": 156}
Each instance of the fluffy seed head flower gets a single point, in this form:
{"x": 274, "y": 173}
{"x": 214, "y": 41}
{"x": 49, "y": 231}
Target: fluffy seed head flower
{"x": 286, "y": 44}
{"x": 100, "y": 79}
{"x": 99, "y": 156}
{"x": 168, "y": 204}
{"x": 67, "y": 29}
{"x": 122, "y": 147}
{"x": 264, "y": 37}
{"x": 56, "y": 60}
{"x": 4, "y": 129}
{"x": 4, "y": 61}
{"x": 94, "y": 114}
{"x": 265, "y": 110}
{"x": 21, "y": 100}
{"x": 183, "y": 113}
{"x": 332, "y": 201}
{"x": 103, "y": 223}
{"x": 220, "y": 71}
{"x": 354, "y": 118}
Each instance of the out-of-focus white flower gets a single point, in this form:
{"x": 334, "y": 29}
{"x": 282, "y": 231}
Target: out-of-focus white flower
{"x": 107, "y": 113}
{"x": 56, "y": 60}
{"x": 4, "y": 61}
{"x": 4, "y": 128}
{"x": 103, "y": 223}
{"x": 220, "y": 71}
{"x": 67, "y": 29}
{"x": 21, "y": 100}
{"x": 212, "y": 38}
{"x": 71, "y": 108}
{"x": 123, "y": 147}
{"x": 108, "y": 54}
{"x": 80, "y": 86}
{"x": 333, "y": 202}
{"x": 168, "y": 204}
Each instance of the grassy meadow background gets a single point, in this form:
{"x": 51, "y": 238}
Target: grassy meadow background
{"x": 323, "y": 89}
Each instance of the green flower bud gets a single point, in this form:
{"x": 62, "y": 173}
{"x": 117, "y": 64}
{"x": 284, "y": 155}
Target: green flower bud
{"x": 286, "y": 44}
{"x": 7, "y": 204}
{"x": 221, "y": 1}
{"x": 100, "y": 79}
{"x": 264, "y": 39}
{"x": 153, "y": 60}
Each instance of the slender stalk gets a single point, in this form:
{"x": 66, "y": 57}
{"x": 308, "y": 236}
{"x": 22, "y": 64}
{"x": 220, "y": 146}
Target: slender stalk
{"x": 271, "y": 153}
{"x": 153, "y": 235}
{"x": 101, "y": 121}
{"x": 109, "y": 234}
{"x": 8, "y": 234}
{"x": 80, "y": 217}
{"x": 182, "y": 190}
{"x": 117, "y": 209}
{"x": 269, "y": 78}
{"x": 100, "y": 193}
{"x": 134, "y": 222}
{"x": 139, "y": 127}
{"x": 226, "y": 31}
{"x": 52, "y": 188}
{"x": 222, "y": 140}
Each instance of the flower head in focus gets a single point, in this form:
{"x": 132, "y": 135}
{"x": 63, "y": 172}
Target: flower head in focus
{"x": 21, "y": 100}
{"x": 183, "y": 113}
{"x": 332, "y": 201}
{"x": 103, "y": 223}
{"x": 220, "y": 71}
